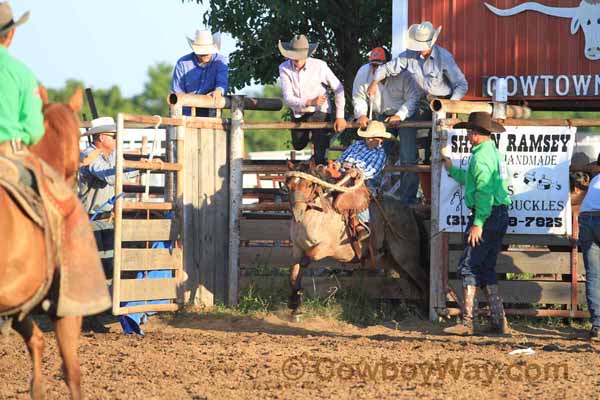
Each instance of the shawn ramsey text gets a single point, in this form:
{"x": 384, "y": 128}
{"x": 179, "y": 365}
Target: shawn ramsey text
{"x": 556, "y": 143}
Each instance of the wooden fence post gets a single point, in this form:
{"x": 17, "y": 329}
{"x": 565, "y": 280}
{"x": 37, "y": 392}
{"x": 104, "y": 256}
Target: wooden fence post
{"x": 236, "y": 157}
{"x": 118, "y": 211}
{"x": 437, "y": 291}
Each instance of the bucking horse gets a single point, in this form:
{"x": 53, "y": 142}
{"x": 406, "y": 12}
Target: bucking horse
{"x": 321, "y": 226}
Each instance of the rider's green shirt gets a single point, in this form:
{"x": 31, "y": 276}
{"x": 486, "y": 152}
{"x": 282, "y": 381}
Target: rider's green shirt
{"x": 484, "y": 186}
{"x": 20, "y": 103}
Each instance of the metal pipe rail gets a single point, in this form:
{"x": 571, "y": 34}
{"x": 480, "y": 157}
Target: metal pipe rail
{"x": 467, "y": 107}
{"x": 206, "y": 101}
{"x": 576, "y": 122}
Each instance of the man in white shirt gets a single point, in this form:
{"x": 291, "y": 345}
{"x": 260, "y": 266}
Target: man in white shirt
{"x": 362, "y": 79}
{"x": 589, "y": 241}
{"x": 304, "y": 82}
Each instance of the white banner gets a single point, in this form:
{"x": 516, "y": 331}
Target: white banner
{"x": 537, "y": 161}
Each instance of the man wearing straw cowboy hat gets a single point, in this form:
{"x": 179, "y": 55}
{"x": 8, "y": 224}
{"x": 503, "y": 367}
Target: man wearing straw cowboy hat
{"x": 21, "y": 116}
{"x": 203, "y": 71}
{"x": 433, "y": 68}
{"x": 97, "y": 186}
{"x": 369, "y": 156}
{"x": 487, "y": 196}
{"x": 304, "y": 82}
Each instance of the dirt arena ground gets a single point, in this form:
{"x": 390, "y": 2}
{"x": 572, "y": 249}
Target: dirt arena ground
{"x": 215, "y": 356}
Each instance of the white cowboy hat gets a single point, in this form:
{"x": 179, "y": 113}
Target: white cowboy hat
{"x": 104, "y": 125}
{"x": 7, "y": 21}
{"x": 298, "y": 48}
{"x": 375, "y": 129}
{"x": 203, "y": 43}
{"x": 422, "y": 36}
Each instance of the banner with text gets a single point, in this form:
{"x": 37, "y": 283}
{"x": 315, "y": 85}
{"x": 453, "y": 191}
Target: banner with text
{"x": 537, "y": 161}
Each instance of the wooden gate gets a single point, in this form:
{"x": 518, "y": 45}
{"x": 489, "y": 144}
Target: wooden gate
{"x": 147, "y": 237}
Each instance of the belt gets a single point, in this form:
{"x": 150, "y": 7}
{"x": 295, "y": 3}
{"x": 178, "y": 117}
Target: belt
{"x": 590, "y": 214}
{"x": 493, "y": 207}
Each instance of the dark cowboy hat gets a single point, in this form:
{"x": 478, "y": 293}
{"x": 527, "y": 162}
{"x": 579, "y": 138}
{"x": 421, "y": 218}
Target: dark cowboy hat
{"x": 481, "y": 122}
{"x": 7, "y": 21}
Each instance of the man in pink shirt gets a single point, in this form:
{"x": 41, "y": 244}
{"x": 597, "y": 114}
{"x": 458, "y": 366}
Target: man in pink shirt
{"x": 304, "y": 82}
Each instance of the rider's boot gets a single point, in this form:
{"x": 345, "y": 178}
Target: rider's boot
{"x": 362, "y": 232}
{"x": 466, "y": 327}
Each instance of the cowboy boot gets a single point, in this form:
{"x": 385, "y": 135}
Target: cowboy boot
{"x": 466, "y": 327}
{"x": 362, "y": 232}
{"x": 498, "y": 322}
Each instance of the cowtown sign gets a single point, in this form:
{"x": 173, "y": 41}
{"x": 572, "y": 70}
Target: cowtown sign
{"x": 585, "y": 17}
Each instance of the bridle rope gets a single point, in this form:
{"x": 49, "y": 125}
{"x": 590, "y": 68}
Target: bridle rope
{"x": 338, "y": 187}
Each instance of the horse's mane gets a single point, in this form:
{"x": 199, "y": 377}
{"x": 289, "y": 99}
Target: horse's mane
{"x": 59, "y": 146}
{"x": 60, "y": 118}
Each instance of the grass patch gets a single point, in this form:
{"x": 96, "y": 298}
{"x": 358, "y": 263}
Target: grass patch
{"x": 351, "y": 305}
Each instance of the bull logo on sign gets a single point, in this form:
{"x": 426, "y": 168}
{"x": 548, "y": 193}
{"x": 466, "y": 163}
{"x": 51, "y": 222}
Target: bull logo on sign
{"x": 586, "y": 16}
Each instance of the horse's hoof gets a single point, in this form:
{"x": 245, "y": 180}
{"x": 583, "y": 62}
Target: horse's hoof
{"x": 297, "y": 315}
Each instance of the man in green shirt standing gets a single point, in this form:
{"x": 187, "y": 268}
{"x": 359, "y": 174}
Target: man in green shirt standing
{"x": 487, "y": 197}
{"x": 21, "y": 117}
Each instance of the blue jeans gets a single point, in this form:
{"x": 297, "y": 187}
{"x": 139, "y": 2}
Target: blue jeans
{"x": 477, "y": 266}
{"x": 589, "y": 240}
{"x": 409, "y": 181}
{"x": 104, "y": 233}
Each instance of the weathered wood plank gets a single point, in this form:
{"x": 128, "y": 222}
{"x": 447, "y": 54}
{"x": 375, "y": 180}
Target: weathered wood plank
{"x": 375, "y": 287}
{"x": 140, "y": 230}
{"x": 534, "y": 240}
{"x": 148, "y": 289}
{"x": 264, "y": 229}
{"x": 190, "y": 211}
{"x": 151, "y": 259}
{"x": 206, "y": 204}
{"x": 222, "y": 216}
{"x": 545, "y": 292}
{"x": 147, "y": 206}
{"x": 278, "y": 257}
{"x": 522, "y": 262}
{"x": 148, "y": 308}
{"x": 153, "y": 165}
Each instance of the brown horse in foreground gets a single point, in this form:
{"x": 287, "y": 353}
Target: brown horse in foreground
{"x": 318, "y": 231}
{"x": 24, "y": 259}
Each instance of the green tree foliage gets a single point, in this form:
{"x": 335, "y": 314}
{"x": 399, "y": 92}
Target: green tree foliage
{"x": 267, "y": 139}
{"x": 345, "y": 30}
{"x": 152, "y": 101}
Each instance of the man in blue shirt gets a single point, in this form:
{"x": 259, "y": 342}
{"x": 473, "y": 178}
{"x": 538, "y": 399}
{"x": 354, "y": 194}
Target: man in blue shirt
{"x": 369, "y": 156}
{"x": 203, "y": 71}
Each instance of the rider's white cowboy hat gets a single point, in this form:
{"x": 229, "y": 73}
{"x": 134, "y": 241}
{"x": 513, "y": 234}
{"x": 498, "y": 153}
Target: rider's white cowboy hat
{"x": 105, "y": 125}
{"x": 375, "y": 129}
{"x": 7, "y": 21}
{"x": 298, "y": 48}
{"x": 203, "y": 43}
{"x": 422, "y": 36}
